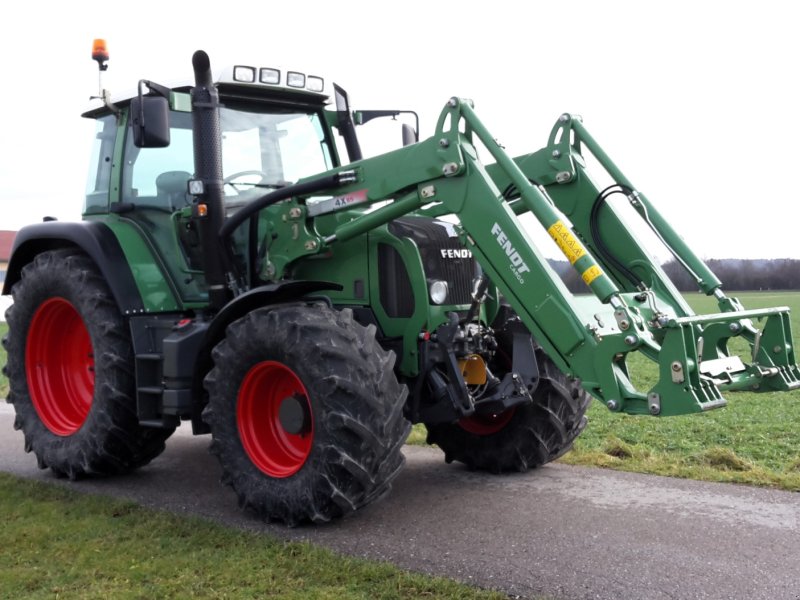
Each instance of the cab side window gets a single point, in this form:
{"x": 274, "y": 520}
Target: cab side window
{"x": 156, "y": 177}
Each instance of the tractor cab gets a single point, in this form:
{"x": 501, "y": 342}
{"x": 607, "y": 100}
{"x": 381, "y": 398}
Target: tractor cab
{"x": 274, "y": 131}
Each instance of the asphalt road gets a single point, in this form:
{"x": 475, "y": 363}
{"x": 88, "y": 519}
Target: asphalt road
{"x": 560, "y": 531}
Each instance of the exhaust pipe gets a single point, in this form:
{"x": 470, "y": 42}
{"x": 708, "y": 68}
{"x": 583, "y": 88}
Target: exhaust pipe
{"x": 207, "y": 140}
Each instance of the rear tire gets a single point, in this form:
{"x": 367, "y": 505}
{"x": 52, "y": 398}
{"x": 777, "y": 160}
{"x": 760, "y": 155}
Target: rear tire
{"x": 337, "y": 445}
{"x": 70, "y": 370}
{"x": 524, "y": 437}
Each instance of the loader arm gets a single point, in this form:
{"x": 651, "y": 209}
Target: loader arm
{"x": 633, "y": 306}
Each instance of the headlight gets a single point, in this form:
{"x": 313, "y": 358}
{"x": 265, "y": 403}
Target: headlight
{"x": 438, "y": 291}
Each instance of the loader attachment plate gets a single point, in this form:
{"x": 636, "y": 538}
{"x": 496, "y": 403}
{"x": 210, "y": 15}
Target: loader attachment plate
{"x": 772, "y": 364}
{"x": 695, "y": 363}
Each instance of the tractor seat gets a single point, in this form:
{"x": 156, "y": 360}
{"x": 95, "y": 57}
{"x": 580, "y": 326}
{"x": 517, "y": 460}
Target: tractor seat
{"x": 171, "y": 189}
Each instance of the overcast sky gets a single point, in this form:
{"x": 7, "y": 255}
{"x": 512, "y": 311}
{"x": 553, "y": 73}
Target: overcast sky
{"x": 696, "y": 101}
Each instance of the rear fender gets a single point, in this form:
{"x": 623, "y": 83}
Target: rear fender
{"x": 93, "y": 238}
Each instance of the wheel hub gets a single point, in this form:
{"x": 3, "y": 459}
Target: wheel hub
{"x": 294, "y": 416}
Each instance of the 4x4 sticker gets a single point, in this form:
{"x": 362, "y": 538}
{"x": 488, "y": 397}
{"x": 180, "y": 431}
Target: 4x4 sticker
{"x": 322, "y": 207}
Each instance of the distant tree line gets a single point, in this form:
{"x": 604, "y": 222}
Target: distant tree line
{"x": 735, "y": 274}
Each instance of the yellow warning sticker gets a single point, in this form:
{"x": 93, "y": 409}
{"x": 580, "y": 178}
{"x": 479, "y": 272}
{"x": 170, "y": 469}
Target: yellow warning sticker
{"x": 590, "y": 274}
{"x": 567, "y": 242}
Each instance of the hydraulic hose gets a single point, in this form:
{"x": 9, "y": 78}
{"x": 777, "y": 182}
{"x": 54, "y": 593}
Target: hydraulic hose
{"x": 251, "y": 210}
{"x": 594, "y": 229}
{"x": 284, "y": 193}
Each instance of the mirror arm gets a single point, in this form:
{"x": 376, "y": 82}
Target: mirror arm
{"x": 365, "y": 116}
{"x": 154, "y": 87}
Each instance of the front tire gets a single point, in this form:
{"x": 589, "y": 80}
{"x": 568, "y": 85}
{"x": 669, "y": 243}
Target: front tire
{"x": 523, "y": 437}
{"x": 70, "y": 369}
{"x": 306, "y": 413}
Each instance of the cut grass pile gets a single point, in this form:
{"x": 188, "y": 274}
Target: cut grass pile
{"x": 62, "y": 544}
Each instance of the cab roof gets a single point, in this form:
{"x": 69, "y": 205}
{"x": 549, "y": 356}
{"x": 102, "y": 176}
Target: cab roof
{"x": 242, "y": 81}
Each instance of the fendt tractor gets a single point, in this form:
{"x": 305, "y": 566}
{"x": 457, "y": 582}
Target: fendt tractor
{"x": 241, "y": 266}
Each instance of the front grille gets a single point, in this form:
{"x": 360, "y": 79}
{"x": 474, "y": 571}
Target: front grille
{"x": 443, "y": 256}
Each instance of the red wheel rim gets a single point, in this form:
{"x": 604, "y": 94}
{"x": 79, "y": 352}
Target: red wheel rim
{"x": 487, "y": 424}
{"x": 272, "y": 449}
{"x": 59, "y": 364}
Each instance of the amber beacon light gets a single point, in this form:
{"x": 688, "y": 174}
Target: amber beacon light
{"x": 100, "y": 53}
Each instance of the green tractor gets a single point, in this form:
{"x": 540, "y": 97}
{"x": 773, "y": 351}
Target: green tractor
{"x": 241, "y": 266}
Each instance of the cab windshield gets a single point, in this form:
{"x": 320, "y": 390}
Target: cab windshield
{"x": 261, "y": 150}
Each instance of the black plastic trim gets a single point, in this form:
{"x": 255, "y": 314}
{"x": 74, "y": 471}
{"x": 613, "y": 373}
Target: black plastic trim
{"x": 272, "y": 293}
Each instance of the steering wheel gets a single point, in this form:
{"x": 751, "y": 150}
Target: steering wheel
{"x": 229, "y": 180}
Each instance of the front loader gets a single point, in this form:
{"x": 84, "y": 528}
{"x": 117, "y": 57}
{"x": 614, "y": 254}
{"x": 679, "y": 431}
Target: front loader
{"x": 241, "y": 266}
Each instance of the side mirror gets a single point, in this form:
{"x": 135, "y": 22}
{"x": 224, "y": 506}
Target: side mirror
{"x": 347, "y": 128}
{"x": 149, "y": 117}
{"x": 409, "y": 135}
